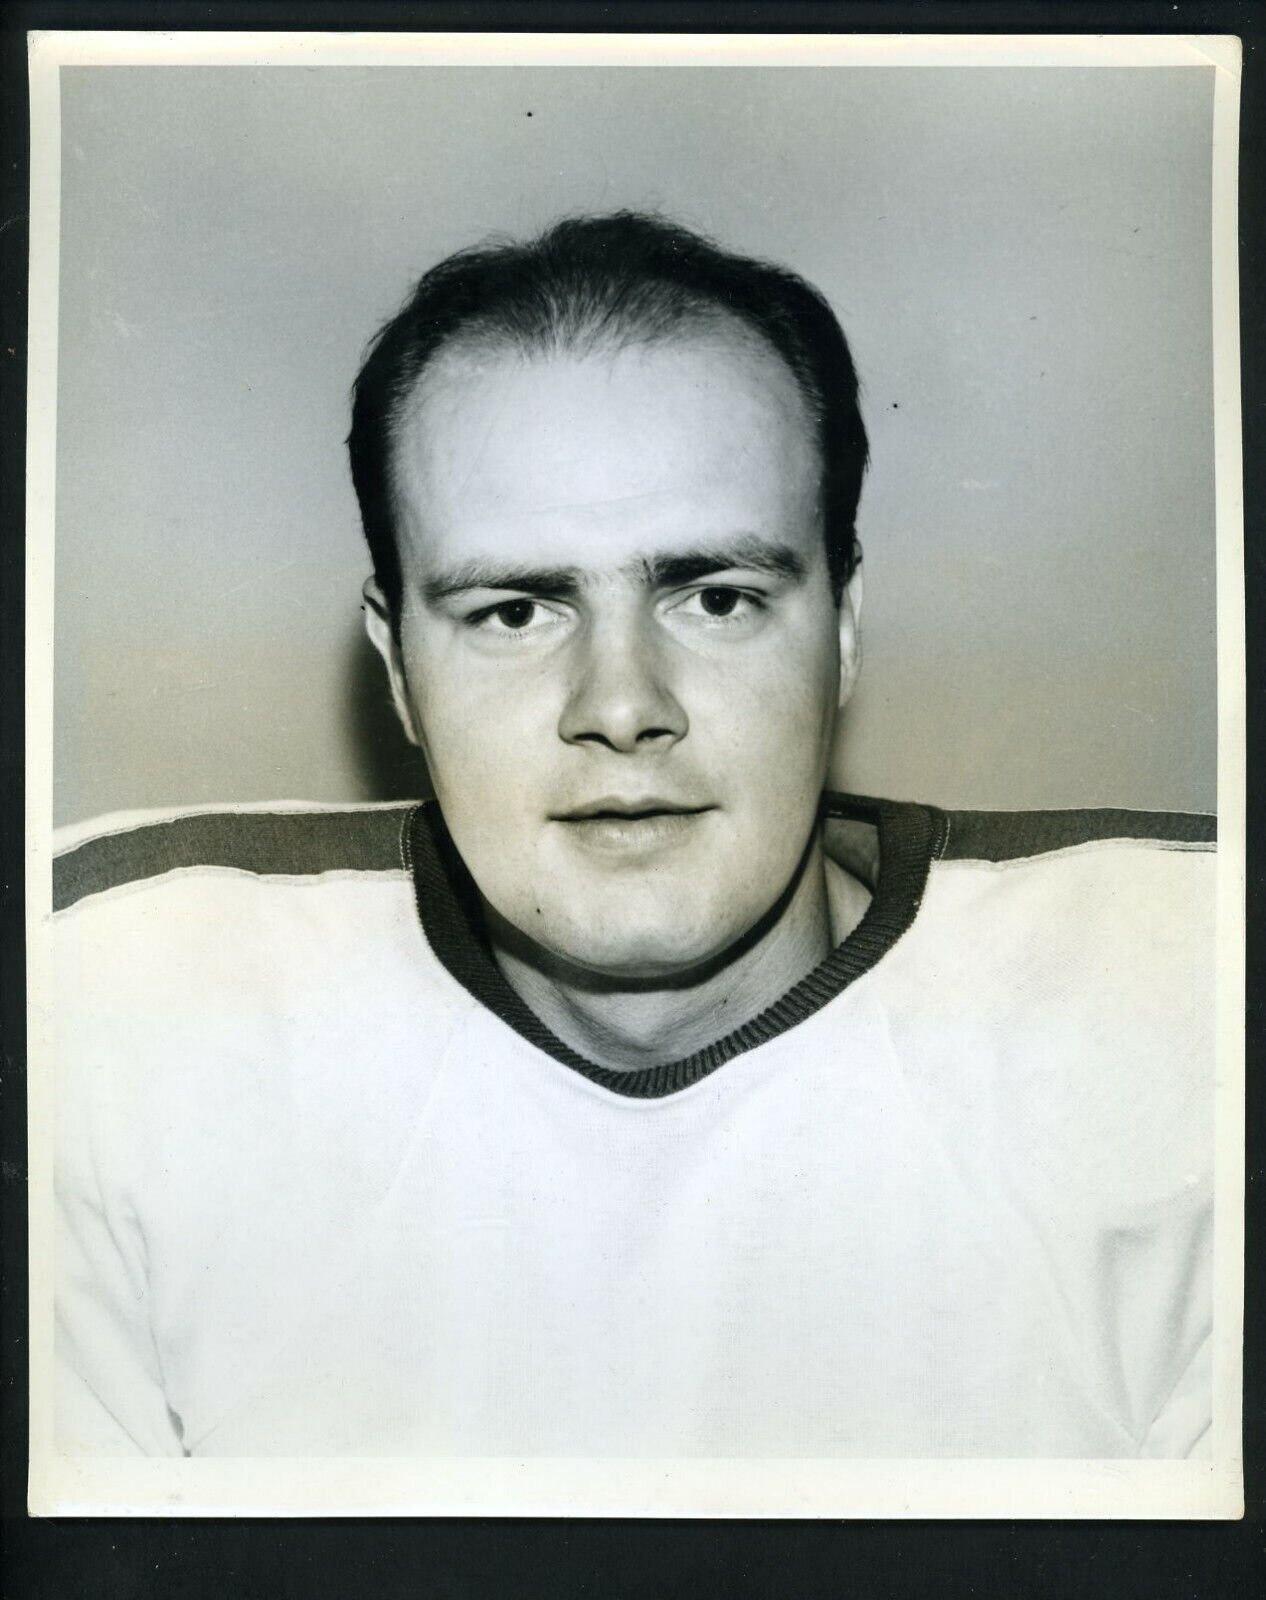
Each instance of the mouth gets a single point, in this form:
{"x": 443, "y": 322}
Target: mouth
{"x": 613, "y": 826}
{"x": 629, "y": 810}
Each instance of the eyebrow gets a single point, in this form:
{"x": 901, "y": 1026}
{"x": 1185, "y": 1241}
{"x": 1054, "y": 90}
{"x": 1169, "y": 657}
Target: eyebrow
{"x": 661, "y": 572}
{"x": 758, "y": 555}
{"x": 483, "y": 575}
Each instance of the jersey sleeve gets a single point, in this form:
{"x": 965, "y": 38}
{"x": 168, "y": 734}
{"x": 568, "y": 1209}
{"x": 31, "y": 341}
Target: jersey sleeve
{"x": 1183, "y": 1425}
{"x": 109, "y": 1391}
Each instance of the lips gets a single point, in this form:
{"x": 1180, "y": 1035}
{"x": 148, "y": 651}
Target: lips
{"x": 632, "y": 827}
{"x": 629, "y": 810}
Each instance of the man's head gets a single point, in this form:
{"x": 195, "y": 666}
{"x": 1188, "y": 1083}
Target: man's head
{"x": 609, "y": 480}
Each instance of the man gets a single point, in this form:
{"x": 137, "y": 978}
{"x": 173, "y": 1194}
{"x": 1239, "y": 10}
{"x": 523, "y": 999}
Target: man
{"x": 632, "y": 1099}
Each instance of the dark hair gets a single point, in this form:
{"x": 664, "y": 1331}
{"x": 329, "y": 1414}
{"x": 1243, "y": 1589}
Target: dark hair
{"x": 594, "y": 282}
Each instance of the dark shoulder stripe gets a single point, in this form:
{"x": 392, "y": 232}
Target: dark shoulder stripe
{"x": 271, "y": 843}
{"x": 1010, "y": 835}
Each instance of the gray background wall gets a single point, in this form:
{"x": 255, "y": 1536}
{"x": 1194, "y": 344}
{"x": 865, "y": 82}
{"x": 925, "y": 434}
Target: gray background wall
{"x": 1020, "y": 259}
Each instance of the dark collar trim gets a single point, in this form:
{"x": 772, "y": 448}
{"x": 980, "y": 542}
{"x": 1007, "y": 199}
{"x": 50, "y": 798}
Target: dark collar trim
{"x": 910, "y": 837}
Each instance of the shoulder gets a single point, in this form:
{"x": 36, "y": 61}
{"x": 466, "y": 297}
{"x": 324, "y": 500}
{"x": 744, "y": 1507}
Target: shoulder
{"x": 1061, "y": 972}
{"x": 1005, "y": 836}
{"x": 227, "y": 981}
{"x": 1126, "y": 897}
{"x": 1105, "y": 907}
{"x": 241, "y": 962}
{"x": 974, "y": 889}
{"x": 137, "y": 850}
{"x": 188, "y": 924}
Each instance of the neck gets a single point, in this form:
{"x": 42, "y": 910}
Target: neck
{"x": 628, "y": 1027}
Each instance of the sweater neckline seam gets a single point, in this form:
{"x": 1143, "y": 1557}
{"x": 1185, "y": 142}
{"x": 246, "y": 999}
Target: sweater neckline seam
{"x": 911, "y": 836}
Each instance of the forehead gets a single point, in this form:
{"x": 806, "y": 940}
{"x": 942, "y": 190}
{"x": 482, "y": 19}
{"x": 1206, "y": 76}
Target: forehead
{"x": 581, "y": 458}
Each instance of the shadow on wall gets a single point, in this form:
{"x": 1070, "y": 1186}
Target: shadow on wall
{"x": 388, "y": 766}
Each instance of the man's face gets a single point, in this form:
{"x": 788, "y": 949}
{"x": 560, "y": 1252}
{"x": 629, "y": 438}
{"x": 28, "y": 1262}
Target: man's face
{"x": 618, "y": 648}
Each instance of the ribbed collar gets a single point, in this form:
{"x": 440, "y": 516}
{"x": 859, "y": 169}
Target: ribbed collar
{"x": 910, "y": 836}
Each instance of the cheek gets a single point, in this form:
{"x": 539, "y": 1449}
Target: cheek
{"x": 479, "y": 733}
{"x": 779, "y": 707}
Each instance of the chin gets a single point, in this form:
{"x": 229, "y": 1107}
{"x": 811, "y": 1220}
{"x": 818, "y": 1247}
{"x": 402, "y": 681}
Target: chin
{"x": 644, "y": 951}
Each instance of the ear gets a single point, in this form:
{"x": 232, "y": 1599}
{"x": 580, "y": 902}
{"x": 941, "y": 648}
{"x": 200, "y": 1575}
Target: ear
{"x": 850, "y": 635}
{"x": 382, "y": 637}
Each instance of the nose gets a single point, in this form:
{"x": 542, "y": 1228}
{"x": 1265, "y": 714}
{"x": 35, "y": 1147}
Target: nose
{"x": 620, "y": 697}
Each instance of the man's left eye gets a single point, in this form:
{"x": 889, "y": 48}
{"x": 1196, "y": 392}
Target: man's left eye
{"x": 718, "y": 603}
{"x": 515, "y": 614}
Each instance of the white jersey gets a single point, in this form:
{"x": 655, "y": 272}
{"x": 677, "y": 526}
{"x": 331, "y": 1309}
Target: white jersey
{"x": 327, "y": 1187}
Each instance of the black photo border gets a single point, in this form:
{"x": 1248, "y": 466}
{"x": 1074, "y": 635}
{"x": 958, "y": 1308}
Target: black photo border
{"x": 469, "y": 1558}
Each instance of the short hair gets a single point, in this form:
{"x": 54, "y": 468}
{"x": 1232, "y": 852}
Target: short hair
{"x": 595, "y": 282}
